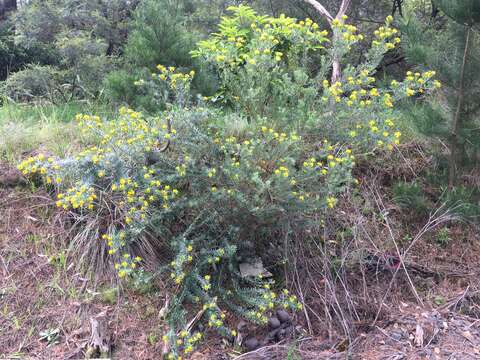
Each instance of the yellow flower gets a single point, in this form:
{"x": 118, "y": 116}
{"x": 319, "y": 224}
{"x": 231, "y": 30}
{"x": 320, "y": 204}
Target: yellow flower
{"x": 331, "y": 201}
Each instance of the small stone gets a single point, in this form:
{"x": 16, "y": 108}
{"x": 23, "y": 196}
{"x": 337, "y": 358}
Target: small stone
{"x": 396, "y": 335}
{"x": 273, "y": 322}
{"x": 283, "y": 316}
{"x": 251, "y": 344}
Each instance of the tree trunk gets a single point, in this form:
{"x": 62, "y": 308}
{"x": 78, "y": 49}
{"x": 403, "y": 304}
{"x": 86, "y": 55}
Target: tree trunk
{"x": 454, "y": 142}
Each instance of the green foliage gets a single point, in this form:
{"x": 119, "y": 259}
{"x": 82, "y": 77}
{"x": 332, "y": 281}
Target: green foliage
{"x": 464, "y": 12}
{"x": 263, "y": 64}
{"x": 50, "y": 335}
{"x": 82, "y": 63}
{"x": 452, "y": 117}
{"x": 443, "y": 236}
{"x": 35, "y": 82}
{"x": 464, "y": 201}
{"x": 109, "y": 295}
{"x": 77, "y": 39}
{"x": 159, "y": 35}
{"x": 410, "y": 197}
{"x": 13, "y": 56}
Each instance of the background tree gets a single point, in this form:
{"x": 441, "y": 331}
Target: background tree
{"x": 450, "y": 43}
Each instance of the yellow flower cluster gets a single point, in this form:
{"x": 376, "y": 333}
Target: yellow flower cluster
{"x": 382, "y": 132}
{"x": 352, "y": 92}
{"x": 173, "y": 76}
{"x": 215, "y": 258}
{"x": 183, "y": 259}
{"x": 347, "y": 32}
{"x": 131, "y": 129}
{"x": 417, "y": 83}
{"x": 127, "y": 265}
{"x": 331, "y": 202}
{"x": 41, "y": 165}
{"x": 282, "y": 171}
{"x": 269, "y": 301}
{"x": 280, "y": 137}
{"x": 231, "y": 46}
{"x": 115, "y": 241}
{"x": 215, "y": 320}
{"x": 182, "y": 167}
{"x": 386, "y": 36}
{"x": 329, "y": 159}
{"x": 139, "y": 198}
{"x": 186, "y": 341}
{"x": 81, "y": 197}
{"x": 290, "y": 301}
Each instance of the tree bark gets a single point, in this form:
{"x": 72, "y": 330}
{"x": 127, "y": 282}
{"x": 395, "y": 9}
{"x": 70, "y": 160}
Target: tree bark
{"x": 336, "y": 67}
{"x": 454, "y": 143}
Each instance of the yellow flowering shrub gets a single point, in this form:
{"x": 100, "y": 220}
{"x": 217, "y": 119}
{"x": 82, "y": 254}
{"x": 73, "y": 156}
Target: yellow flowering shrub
{"x": 211, "y": 199}
{"x": 266, "y": 67}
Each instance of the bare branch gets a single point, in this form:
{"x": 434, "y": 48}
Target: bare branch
{"x": 337, "y": 69}
{"x": 325, "y": 13}
{"x": 321, "y": 9}
{"x": 343, "y": 8}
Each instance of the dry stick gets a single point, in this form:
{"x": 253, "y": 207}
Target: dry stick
{"x": 454, "y": 302}
{"x": 379, "y": 202}
{"x": 331, "y": 288}
{"x": 302, "y": 298}
{"x": 315, "y": 289}
{"x": 406, "y": 162}
{"x": 432, "y": 223}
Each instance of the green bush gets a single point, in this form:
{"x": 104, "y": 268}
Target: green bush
{"x": 14, "y": 56}
{"x": 35, "y": 82}
{"x": 464, "y": 202}
{"x": 84, "y": 63}
{"x": 263, "y": 65}
{"x": 410, "y": 197}
{"x": 159, "y": 35}
{"x": 80, "y": 41}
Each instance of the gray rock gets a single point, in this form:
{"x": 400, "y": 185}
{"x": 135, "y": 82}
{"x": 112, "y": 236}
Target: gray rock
{"x": 273, "y": 322}
{"x": 251, "y": 344}
{"x": 283, "y": 316}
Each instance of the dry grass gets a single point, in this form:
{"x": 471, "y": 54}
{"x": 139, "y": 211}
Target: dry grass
{"x": 41, "y": 289}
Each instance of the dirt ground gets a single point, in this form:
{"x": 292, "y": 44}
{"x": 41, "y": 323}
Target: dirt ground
{"x": 47, "y": 305}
